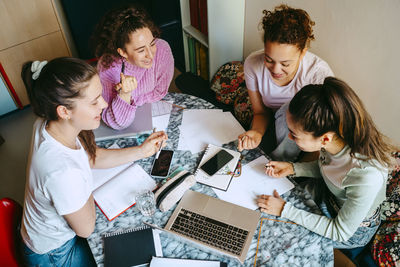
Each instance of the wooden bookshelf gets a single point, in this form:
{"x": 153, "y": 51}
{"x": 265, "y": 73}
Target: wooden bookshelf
{"x": 224, "y": 41}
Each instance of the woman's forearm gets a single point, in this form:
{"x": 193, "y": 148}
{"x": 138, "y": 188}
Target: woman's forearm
{"x": 260, "y": 121}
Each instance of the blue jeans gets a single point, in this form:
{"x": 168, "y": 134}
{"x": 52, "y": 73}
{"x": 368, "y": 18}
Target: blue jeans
{"x": 75, "y": 252}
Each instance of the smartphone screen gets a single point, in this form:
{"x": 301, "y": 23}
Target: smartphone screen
{"x": 215, "y": 163}
{"x": 162, "y": 164}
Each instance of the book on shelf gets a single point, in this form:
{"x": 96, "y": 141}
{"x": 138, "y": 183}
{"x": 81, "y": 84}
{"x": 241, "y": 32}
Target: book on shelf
{"x": 203, "y": 62}
{"x": 194, "y": 13}
{"x": 115, "y": 189}
{"x": 198, "y": 57}
{"x": 192, "y": 54}
{"x": 203, "y": 16}
{"x": 132, "y": 247}
{"x": 197, "y": 53}
{"x": 198, "y": 15}
{"x": 222, "y": 178}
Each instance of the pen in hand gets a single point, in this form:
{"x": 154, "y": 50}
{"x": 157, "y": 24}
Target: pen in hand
{"x": 120, "y": 80}
{"x": 159, "y": 149}
{"x": 269, "y": 167}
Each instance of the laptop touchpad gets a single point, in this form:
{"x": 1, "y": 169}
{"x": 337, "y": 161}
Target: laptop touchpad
{"x": 216, "y": 210}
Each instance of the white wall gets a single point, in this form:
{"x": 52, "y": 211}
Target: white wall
{"x": 359, "y": 39}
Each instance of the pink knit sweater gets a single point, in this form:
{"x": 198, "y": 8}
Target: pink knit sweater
{"x": 152, "y": 85}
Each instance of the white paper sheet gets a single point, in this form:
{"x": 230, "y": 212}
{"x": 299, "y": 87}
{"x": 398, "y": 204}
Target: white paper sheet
{"x": 182, "y": 142}
{"x": 208, "y": 126}
{"x": 243, "y": 190}
{"x": 161, "y": 112}
{"x": 170, "y": 262}
{"x": 157, "y": 242}
{"x": 161, "y": 122}
{"x": 160, "y": 108}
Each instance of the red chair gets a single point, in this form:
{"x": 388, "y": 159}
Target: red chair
{"x": 10, "y": 218}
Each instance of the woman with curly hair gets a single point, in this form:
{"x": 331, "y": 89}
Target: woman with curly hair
{"x": 275, "y": 74}
{"x": 135, "y": 66}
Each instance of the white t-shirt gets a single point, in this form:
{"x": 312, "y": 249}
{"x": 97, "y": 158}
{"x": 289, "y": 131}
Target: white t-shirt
{"x": 59, "y": 182}
{"x": 312, "y": 70}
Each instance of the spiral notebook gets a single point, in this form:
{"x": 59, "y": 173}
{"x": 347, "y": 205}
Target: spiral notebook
{"x": 221, "y": 179}
{"x": 133, "y": 247}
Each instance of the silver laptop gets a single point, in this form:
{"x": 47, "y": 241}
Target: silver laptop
{"x": 213, "y": 224}
{"x": 142, "y": 123}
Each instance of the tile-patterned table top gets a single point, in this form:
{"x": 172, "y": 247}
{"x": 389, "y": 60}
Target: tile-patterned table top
{"x": 281, "y": 244}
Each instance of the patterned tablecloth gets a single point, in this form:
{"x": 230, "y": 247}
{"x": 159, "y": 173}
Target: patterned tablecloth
{"x": 280, "y": 243}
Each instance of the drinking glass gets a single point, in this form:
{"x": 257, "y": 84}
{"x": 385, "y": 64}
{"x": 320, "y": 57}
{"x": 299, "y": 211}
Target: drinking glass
{"x": 146, "y": 203}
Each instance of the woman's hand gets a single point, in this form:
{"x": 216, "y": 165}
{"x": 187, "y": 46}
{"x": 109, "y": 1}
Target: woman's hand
{"x": 279, "y": 169}
{"x": 152, "y": 144}
{"x": 249, "y": 140}
{"x": 271, "y": 204}
{"x": 126, "y": 86}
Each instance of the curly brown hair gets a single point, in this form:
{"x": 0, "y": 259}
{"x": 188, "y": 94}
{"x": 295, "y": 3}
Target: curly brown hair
{"x": 287, "y": 25}
{"x": 114, "y": 29}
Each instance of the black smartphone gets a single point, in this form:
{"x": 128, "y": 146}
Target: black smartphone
{"x": 162, "y": 165}
{"x": 214, "y": 164}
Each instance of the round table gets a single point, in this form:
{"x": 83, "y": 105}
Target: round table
{"x": 280, "y": 243}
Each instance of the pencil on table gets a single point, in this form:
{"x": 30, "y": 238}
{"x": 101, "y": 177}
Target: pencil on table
{"x": 175, "y": 105}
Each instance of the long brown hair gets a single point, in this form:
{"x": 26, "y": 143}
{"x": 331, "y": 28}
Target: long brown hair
{"x": 60, "y": 81}
{"x": 114, "y": 29}
{"x": 334, "y": 107}
{"x": 287, "y": 25}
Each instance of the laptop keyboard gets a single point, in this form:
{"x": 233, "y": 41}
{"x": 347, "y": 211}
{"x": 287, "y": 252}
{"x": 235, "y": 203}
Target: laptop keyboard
{"x": 210, "y": 231}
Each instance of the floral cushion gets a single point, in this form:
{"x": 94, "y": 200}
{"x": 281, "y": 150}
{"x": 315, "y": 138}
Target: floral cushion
{"x": 228, "y": 82}
{"x": 386, "y": 244}
{"x": 242, "y": 109}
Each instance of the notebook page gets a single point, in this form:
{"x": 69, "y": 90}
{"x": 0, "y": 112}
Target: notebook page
{"x": 101, "y": 176}
{"x": 118, "y": 194}
{"x": 243, "y": 190}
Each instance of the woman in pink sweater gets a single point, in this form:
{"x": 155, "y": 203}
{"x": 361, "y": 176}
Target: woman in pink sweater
{"x": 135, "y": 66}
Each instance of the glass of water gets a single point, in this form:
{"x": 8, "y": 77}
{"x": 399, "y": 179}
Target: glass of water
{"x": 146, "y": 203}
